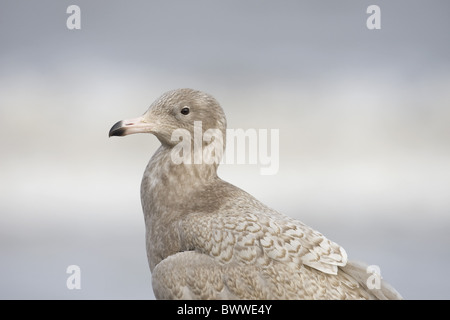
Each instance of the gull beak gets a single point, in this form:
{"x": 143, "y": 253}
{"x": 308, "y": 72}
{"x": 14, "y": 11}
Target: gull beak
{"x": 126, "y": 127}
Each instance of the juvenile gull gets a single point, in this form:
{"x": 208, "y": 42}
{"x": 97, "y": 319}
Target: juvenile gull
{"x": 207, "y": 239}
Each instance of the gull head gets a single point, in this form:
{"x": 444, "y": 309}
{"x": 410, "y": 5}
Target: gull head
{"x": 184, "y": 109}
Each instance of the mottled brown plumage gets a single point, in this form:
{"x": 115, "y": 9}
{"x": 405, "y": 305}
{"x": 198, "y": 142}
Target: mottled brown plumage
{"x": 207, "y": 239}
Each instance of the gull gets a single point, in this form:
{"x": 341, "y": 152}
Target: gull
{"x": 208, "y": 239}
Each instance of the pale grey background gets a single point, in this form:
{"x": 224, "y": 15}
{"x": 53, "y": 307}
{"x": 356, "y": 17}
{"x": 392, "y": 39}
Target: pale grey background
{"x": 363, "y": 118}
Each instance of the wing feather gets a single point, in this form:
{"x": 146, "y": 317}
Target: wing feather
{"x": 262, "y": 237}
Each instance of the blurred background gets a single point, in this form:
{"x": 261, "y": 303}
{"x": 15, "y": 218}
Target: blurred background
{"x": 363, "y": 117}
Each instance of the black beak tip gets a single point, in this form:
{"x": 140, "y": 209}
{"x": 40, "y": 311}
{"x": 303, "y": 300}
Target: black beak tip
{"x": 117, "y": 129}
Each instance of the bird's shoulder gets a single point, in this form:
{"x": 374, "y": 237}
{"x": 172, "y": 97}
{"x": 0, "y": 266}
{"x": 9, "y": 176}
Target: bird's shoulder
{"x": 244, "y": 230}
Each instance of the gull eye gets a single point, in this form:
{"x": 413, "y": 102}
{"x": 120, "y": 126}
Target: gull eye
{"x": 185, "y": 111}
